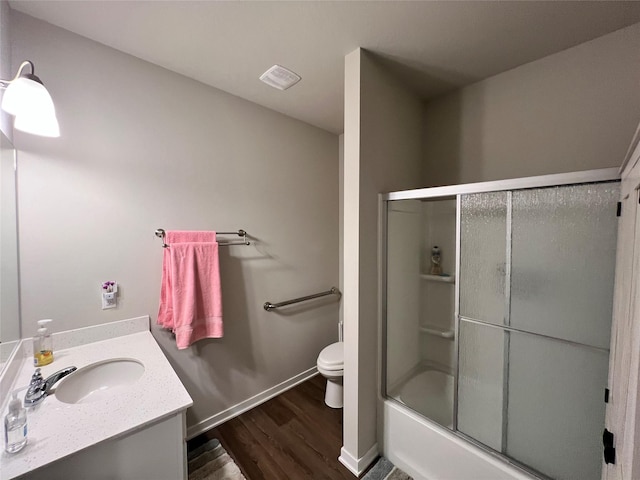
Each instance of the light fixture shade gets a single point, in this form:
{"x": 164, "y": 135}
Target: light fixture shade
{"x": 44, "y": 124}
{"x": 32, "y": 106}
{"x": 24, "y": 93}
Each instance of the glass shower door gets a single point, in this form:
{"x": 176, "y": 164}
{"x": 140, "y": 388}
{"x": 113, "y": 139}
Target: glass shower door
{"x": 536, "y": 273}
{"x": 483, "y": 293}
{"x": 420, "y": 296}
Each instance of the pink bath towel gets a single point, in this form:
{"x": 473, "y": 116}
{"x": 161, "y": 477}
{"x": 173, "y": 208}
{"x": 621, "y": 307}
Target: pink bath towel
{"x": 190, "y": 294}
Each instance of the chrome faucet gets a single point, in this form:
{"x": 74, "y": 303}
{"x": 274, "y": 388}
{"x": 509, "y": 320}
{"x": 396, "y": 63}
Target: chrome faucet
{"x": 39, "y": 388}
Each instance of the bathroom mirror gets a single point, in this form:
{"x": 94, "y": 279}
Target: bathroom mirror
{"x": 9, "y": 286}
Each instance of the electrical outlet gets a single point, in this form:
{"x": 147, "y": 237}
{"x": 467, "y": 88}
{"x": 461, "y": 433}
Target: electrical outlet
{"x": 109, "y": 294}
{"x": 109, "y": 300}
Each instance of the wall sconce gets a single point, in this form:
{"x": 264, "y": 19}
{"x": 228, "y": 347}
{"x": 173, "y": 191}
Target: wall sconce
{"x": 26, "y": 98}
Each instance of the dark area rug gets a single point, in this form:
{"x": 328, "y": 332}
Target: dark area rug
{"x": 210, "y": 461}
{"x": 385, "y": 470}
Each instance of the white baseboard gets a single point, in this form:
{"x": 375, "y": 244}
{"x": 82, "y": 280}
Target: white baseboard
{"x": 358, "y": 465}
{"x": 231, "y": 412}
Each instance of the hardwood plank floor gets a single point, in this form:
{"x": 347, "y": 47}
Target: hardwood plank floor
{"x": 293, "y": 436}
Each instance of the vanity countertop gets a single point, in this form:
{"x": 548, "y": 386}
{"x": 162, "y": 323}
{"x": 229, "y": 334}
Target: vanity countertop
{"x": 57, "y": 430}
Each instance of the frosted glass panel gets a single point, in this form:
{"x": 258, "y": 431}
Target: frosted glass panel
{"x": 563, "y": 260}
{"x": 548, "y": 415}
{"x": 556, "y": 408}
{"x": 481, "y": 379}
{"x": 483, "y": 230}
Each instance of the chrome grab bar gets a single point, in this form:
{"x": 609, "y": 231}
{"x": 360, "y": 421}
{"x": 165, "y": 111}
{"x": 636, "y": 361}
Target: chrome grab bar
{"x": 268, "y": 306}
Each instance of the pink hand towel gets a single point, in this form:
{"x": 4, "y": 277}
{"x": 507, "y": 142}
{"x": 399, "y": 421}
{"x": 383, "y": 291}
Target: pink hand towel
{"x": 165, "y": 313}
{"x": 190, "y": 295}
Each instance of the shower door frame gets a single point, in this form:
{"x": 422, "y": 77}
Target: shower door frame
{"x": 435, "y": 193}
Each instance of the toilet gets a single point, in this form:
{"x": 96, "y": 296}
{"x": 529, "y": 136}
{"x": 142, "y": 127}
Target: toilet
{"x": 331, "y": 366}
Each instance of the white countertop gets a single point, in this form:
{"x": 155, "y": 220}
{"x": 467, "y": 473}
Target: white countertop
{"x": 56, "y": 429}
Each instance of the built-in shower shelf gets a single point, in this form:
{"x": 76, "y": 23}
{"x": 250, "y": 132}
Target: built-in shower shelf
{"x": 437, "y": 331}
{"x": 439, "y": 278}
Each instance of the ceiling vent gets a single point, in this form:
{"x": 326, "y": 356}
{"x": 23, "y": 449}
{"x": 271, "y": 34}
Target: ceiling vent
{"x": 280, "y": 78}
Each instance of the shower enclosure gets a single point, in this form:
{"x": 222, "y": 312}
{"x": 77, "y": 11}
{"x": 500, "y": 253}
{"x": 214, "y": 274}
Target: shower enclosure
{"x": 497, "y": 314}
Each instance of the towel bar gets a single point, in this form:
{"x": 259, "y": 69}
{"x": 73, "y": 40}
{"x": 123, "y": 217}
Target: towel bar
{"x": 268, "y": 306}
{"x": 160, "y": 233}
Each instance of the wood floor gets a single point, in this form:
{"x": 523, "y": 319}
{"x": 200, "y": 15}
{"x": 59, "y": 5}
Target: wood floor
{"x": 292, "y": 436}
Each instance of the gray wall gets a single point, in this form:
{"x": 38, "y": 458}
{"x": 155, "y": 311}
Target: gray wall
{"x": 575, "y": 110}
{"x": 382, "y": 153}
{"x": 5, "y": 63}
{"x": 143, "y": 148}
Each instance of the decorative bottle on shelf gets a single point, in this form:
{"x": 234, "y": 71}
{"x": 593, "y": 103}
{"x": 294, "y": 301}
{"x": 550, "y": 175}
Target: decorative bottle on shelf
{"x": 436, "y": 258}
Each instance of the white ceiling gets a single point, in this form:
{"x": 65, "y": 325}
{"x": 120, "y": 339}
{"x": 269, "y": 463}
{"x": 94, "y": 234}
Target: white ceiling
{"x": 434, "y": 45}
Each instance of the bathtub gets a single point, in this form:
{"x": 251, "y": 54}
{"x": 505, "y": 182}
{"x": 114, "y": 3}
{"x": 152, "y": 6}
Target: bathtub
{"x": 428, "y": 392}
{"x": 415, "y": 439}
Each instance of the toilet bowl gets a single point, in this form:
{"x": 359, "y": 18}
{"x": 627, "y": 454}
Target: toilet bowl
{"x": 331, "y": 366}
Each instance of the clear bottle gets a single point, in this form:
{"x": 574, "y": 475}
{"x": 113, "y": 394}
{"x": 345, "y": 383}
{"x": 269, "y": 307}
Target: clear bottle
{"x": 15, "y": 426}
{"x": 42, "y": 345}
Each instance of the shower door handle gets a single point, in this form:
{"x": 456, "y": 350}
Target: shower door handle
{"x": 609, "y": 449}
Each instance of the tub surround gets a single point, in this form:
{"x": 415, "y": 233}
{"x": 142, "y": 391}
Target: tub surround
{"x": 57, "y": 430}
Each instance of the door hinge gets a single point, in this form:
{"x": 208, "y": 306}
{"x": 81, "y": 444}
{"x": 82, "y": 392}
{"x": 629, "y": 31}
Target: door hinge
{"x": 606, "y": 395}
{"x": 619, "y": 210}
{"x": 609, "y": 450}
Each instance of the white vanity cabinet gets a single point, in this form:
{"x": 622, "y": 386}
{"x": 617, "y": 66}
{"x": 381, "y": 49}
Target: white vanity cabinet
{"x": 156, "y": 452}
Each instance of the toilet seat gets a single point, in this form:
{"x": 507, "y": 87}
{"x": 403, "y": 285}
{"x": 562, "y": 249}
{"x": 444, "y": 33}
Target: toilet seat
{"x": 331, "y": 358}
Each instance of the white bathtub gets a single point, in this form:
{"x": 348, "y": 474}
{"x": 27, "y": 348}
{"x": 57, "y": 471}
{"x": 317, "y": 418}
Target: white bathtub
{"x": 430, "y": 393}
{"x": 429, "y": 451}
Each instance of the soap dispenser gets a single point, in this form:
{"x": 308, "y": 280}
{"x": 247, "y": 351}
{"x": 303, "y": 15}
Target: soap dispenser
{"x": 42, "y": 345}
{"x": 15, "y": 426}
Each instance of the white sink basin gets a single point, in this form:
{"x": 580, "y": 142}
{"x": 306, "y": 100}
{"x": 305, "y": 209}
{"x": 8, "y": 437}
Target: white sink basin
{"x": 99, "y": 380}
